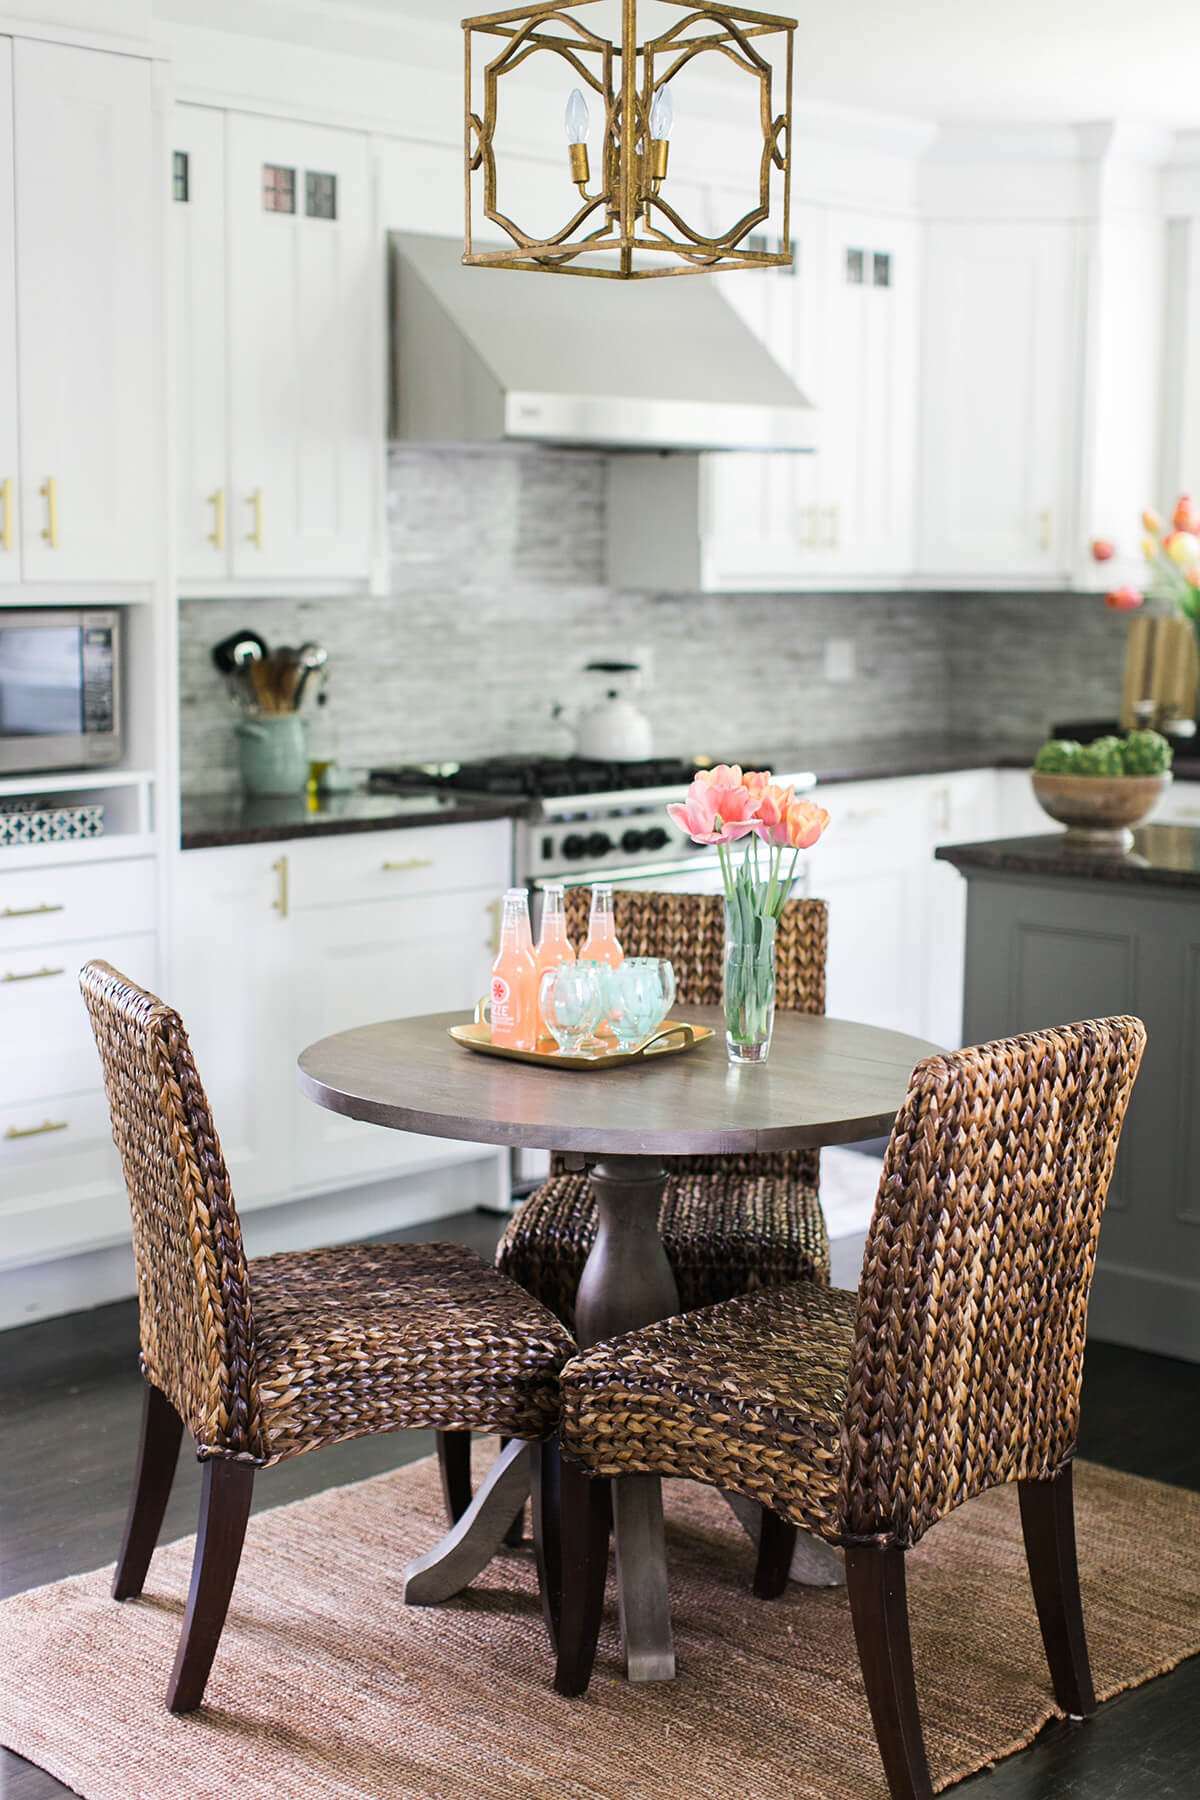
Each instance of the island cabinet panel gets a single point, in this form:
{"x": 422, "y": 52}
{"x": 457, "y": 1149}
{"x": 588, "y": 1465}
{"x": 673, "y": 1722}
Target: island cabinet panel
{"x": 1051, "y": 951}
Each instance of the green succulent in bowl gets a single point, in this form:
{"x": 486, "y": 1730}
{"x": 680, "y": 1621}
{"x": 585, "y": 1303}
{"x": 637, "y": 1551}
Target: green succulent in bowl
{"x": 1059, "y": 757}
{"x": 1103, "y": 756}
{"x": 1146, "y": 753}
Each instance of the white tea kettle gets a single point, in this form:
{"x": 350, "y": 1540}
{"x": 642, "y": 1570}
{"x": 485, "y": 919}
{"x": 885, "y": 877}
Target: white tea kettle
{"x": 612, "y": 729}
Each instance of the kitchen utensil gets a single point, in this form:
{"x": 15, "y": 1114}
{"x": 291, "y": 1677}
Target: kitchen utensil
{"x": 1098, "y": 810}
{"x": 612, "y": 729}
{"x": 312, "y": 657}
{"x": 239, "y": 647}
{"x": 286, "y": 674}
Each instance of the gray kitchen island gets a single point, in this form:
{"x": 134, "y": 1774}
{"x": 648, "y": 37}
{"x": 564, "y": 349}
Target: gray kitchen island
{"x": 1054, "y": 935}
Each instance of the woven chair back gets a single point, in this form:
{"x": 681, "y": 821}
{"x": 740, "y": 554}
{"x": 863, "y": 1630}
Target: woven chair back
{"x": 972, "y": 1309}
{"x": 193, "y": 1294}
{"x": 689, "y": 929}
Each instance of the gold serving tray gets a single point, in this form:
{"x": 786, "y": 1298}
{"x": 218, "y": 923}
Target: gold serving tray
{"x": 670, "y": 1038}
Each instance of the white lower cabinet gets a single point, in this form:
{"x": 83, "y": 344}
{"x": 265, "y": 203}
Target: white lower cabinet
{"x": 61, "y": 1188}
{"x": 277, "y": 945}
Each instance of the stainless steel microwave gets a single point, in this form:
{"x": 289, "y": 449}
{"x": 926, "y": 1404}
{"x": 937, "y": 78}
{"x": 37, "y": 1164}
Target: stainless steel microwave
{"x": 60, "y": 689}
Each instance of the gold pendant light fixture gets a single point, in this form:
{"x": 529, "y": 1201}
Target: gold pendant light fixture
{"x": 534, "y": 65}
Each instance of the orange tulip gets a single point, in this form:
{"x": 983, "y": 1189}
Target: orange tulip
{"x": 1152, "y": 520}
{"x": 1103, "y": 549}
{"x": 805, "y": 823}
{"x": 1124, "y": 599}
{"x": 1182, "y": 547}
{"x": 1187, "y": 514}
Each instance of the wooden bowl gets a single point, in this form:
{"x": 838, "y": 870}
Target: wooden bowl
{"x": 1098, "y": 810}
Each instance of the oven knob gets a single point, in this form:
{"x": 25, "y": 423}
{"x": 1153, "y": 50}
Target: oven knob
{"x": 632, "y": 842}
{"x": 574, "y": 846}
{"x": 599, "y": 844}
{"x": 655, "y": 838}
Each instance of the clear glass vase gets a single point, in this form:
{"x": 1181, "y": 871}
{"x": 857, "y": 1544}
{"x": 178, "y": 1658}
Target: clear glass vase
{"x": 749, "y": 985}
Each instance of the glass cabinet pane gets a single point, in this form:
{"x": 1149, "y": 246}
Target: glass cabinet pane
{"x": 320, "y": 195}
{"x": 278, "y": 189}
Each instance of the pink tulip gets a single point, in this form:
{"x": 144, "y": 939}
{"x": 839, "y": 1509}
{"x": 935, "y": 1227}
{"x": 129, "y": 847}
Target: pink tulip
{"x": 1187, "y": 515}
{"x": 773, "y": 805}
{"x": 1124, "y": 599}
{"x": 718, "y": 807}
{"x": 1103, "y": 549}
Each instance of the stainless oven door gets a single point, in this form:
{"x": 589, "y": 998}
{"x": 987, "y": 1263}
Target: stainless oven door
{"x": 699, "y": 874}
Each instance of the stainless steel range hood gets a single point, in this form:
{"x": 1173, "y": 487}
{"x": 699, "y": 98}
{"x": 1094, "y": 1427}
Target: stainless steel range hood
{"x": 485, "y": 356}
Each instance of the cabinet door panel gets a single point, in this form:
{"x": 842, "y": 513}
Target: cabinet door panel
{"x": 378, "y": 960}
{"x": 10, "y": 535}
{"x": 302, "y": 311}
{"x": 198, "y": 307}
{"x": 85, "y": 285}
{"x": 999, "y": 388}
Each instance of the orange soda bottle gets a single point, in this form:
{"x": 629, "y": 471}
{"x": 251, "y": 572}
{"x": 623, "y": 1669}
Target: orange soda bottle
{"x": 514, "y": 977}
{"x": 601, "y": 944}
{"x": 554, "y": 946}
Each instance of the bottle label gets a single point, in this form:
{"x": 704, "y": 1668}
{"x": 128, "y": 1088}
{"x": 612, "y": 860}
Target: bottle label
{"x": 501, "y": 998}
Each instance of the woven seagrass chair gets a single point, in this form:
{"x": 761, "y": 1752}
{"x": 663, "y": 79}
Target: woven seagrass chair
{"x": 868, "y": 1417}
{"x": 730, "y": 1224}
{"x": 268, "y": 1359}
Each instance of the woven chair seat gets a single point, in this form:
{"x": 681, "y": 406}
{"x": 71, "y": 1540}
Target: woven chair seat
{"x": 749, "y": 1396}
{"x": 380, "y": 1337}
{"x": 727, "y": 1228}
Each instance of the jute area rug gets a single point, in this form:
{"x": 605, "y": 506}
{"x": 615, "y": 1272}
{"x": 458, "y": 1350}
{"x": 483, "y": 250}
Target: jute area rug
{"x": 326, "y": 1685}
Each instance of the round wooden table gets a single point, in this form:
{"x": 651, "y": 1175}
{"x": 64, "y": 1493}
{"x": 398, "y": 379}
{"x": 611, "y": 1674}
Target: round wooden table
{"x": 828, "y": 1081}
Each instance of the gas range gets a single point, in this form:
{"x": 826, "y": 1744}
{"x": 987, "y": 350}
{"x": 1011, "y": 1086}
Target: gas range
{"x": 582, "y": 820}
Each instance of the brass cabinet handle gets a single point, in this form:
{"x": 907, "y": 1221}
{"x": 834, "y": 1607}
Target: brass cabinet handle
{"x": 31, "y": 975}
{"x": 1046, "y": 529}
{"x": 414, "y": 862}
{"x": 280, "y": 902}
{"x": 27, "y": 912}
{"x": 38, "y": 1130}
{"x": 255, "y": 537}
{"x": 493, "y": 909}
{"x": 811, "y": 540}
{"x": 834, "y": 514}
{"x": 6, "y": 522}
{"x": 217, "y": 501}
{"x": 49, "y": 492}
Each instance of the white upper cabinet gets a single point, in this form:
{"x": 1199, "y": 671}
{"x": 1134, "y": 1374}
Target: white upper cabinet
{"x": 197, "y": 301}
{"x": 999, "y": 378}
{"x": 10, "y": 536}
{"x": 85, "y": 283}
{"x": 305, "y": 295}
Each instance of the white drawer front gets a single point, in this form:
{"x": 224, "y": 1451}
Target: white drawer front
{"x": 393, "y": 865}
{"x": 93, "y": 900}
{"x": 61, "y": 1186}
{"x": 46, "y": 1042}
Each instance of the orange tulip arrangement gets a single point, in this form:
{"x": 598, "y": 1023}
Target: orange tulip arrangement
{"x": 1173, "y": 558}
{"x": 723, "y": 806}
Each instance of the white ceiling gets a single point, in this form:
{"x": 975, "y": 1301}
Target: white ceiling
{"x": 1010, "y": 60}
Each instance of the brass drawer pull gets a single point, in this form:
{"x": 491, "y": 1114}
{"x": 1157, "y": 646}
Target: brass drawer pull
{"x": 280, "y": 902}
{"x": 49, "y": 493}
{"x": 37, "y": 1130}
{"x": 31, "y": 975}
{"x": 255, "y": 537}
{"x": 414, "y": 862}
{"x": 217, "y": 501}
{"x": 28, "y": 912}
{"x": 492, "y": 910}
{"x": 6, "y": 523}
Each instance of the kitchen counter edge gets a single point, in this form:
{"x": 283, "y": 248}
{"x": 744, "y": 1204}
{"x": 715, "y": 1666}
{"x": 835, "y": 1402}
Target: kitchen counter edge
{"x": 1164, "y": 856}
{"x": 202, "y": 827}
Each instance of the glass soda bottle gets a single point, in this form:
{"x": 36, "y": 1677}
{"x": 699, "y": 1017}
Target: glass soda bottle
{"x": 554, "y": 946}
{"x": 601, "y": 944}
{"x": 514, "y": 977}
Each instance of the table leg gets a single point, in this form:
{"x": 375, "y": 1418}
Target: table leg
{"x": 469, "y": 1546}
{"x": 626, "y": 1282}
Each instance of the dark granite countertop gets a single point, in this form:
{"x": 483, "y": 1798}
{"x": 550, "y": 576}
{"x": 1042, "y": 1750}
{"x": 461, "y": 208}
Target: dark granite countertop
{"x": 212, "y": 820}
{"x": 1162, "y": 856}
{"x": 930, "y": 753}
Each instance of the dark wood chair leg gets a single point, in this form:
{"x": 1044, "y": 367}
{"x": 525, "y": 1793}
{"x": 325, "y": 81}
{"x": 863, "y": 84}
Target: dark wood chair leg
{"x": 514, "y": 1537}
{"x": 1048, "y": 1522}
{"x": 224, "y": 1509}
{"x": 585, "y": 1519}
{"x": 158, "y": 1453}
{"x": 454, "y": 1465}
{"x": 547, "y": 1542}
{"x": 775, "y": 1546}
{"x": 879, "y": 1608}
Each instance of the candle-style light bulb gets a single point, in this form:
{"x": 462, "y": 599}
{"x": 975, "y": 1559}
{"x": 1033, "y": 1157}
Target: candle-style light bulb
{"x": 577, "y": 118}
{"x": 662, "y": 113}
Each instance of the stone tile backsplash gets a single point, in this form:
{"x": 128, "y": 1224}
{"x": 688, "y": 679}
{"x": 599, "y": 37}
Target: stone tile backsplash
{"x": 498, "y": 599}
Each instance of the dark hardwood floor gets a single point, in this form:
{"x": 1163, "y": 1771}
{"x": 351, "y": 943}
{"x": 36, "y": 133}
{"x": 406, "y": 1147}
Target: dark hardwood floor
{"x": 70, "y": 1397}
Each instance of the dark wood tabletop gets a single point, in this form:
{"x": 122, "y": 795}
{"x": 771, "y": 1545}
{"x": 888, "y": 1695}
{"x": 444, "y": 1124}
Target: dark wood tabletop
{"x": 828, "y": 1081}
